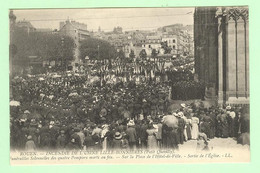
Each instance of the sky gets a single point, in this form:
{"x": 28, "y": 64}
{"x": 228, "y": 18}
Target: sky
{"x": 108, "y": 18}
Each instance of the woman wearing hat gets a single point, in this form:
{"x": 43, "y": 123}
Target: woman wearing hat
{"x": 194, "y": 127}
{"x": 151, "y": 140}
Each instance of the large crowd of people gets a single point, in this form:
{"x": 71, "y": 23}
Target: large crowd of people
{"x": 107, "y": 108}
{"x": 71, "y": 131}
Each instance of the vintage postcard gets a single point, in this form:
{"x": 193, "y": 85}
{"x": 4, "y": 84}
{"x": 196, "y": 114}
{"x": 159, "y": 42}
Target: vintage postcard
{"x": 129, "y": 85}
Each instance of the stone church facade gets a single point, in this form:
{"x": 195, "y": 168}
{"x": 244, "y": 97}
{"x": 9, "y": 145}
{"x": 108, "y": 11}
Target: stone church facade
{"x": 222, "y": 53}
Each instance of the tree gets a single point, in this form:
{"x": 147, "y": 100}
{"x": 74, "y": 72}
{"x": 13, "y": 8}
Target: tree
{"x": 166, "y": 48}
{"x": 154, "y": 53}
{"x": 143, "y": 54}
{"x": 97, "y": 49}
{"x": 132, "y": 54}
{"x": 121, "y": 54}
{"x": 45, "y": 45}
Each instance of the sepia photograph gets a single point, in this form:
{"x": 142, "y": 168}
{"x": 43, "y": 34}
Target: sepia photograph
{"x": 129, "y": 85}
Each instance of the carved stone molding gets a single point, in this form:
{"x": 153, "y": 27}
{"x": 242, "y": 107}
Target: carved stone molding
{"x": 232, "y": 13}
{"x": 236, "y": 13}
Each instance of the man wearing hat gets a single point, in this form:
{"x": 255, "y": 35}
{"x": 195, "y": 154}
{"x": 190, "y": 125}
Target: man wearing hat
{"x": 145, "y": 108}
{"x": 72, "y": 145}
{"x": 117, "y": 141}
{"x": 130, "y": 131}
{"x": 181, "y": 126}
{"x": 61, "y": 140}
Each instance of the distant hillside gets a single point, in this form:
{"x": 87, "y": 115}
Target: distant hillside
{"x": 175, "y": 28}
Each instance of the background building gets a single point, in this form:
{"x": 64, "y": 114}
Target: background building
{"x": 77, "y": 31}
{"x": 222, "y": 54}
{"x": 150, "y": 43}
{"x": 26, "y": 25}
{"x": 172, "y": 42}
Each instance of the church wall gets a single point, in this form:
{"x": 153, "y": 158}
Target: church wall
{"x": 221, "y": 53}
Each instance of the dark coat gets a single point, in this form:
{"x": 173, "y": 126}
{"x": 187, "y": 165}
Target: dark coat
{"x": 61, "y": 142}
{"x": 130, "y": 131}
{"x": 180, "y": 130}
{"x": 117, "y": 144}
{"x": 72, "y": 146}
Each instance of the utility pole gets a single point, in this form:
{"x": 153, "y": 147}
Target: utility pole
{"x": 62, "y": 55}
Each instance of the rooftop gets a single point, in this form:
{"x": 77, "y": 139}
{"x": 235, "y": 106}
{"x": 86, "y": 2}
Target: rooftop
{"x": 24, "y": 23}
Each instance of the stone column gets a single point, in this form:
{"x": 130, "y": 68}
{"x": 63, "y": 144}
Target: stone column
{"x": 246, "y": 54}
{"x": 220, "y": 61}
{"x": 241, "y": 83}
{"x": 231, "y": 58}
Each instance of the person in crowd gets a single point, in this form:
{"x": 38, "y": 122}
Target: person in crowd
{"x": 97, "y": 130}
{"x": 231, "y": 121}
{"x": 202, "y": 142}
{"x": 72, "y": 145}
{"x": 97, "y": 144}
{"x": 181, "y": 127}
{"x": 151, "y": 139}
{"x": 172, "y": 138}
{"x": 81, "y": 135}
{"x": 71, "y": 110}
{"x": 30, "y": 145}
{"x": 194, "y": 127}
{"x": 117, "y": 141}
{"x": 224, "y": 124}
{"x": 237, "y": 125}
{"x": 125, "y": 143}
{"x": 88, "y": 141}
{"x": 131, "y": 132}
{"x": 159, "y": 133}
{"x": 188, "y": 124}
{"x": 61, "y": 141}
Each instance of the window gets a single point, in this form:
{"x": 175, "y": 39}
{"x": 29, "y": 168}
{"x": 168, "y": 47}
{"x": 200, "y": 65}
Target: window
{"x": 173, "y": 41}
{"x": 173, "y": 47}
{"x": 149, "y": 46}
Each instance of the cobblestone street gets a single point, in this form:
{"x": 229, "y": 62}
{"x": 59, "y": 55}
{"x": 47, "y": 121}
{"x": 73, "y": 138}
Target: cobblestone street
{"x": 216, "y": 144}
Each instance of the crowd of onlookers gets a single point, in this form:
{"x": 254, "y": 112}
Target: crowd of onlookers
{"x": 106, "y": 108}
{"x": 191, "y": 122}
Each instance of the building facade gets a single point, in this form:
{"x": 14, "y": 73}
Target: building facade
{"x": 26, "y": 25}
{"x": 222, "y": 53}
{"x": 171, "y": 42}
{"x": 77, "y": 31}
